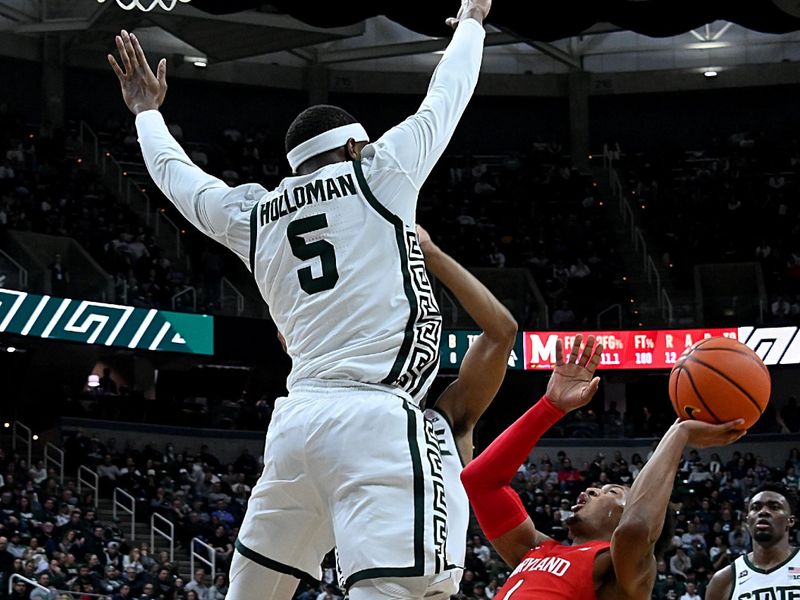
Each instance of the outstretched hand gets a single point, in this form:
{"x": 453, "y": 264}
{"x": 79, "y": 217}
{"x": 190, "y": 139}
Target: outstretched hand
{"x": 141, "y": 88}
{"x": 573, "y": 383}
{"x": 706, "y": 435}
{"x": 471, "y": 9}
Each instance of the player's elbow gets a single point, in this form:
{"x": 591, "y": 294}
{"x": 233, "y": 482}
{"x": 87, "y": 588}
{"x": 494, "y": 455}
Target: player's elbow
{"x": 503, "y": 331}
{"x": 508, "y": 329}
{"x": 471, "y": 479}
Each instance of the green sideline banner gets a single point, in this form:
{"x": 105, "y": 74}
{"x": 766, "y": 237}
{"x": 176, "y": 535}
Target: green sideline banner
{"x": 105, "y": 324}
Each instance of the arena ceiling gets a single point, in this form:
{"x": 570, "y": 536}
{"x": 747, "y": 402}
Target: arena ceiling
{"x": 554, "y": 37}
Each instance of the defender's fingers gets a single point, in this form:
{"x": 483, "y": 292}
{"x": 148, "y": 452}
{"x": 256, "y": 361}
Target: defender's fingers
{"x": 116, "y": 68}
{"x": 162, "y": 72}
{"x": 123, "y": 53}
{"x": 137, "y": 48}
{"x": 596, "y": 357}
{"x": 587, "y": 351}
{"x": 576, "y": 348}
{"x": 559, "y": 353}
{"x": 126, "y": 39}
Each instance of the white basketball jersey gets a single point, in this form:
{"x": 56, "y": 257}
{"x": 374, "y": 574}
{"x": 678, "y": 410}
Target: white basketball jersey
{"x": 345, "y": 281}
{"x": 457, "y": 501}
{"x": 780, "y": 583}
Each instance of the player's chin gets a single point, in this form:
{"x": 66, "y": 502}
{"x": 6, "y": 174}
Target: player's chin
{"x": 765, "y": 535}
{"x": 572, "y": 520}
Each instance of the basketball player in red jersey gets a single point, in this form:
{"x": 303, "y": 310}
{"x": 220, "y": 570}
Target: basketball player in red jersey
{"x": 614, "y": 529}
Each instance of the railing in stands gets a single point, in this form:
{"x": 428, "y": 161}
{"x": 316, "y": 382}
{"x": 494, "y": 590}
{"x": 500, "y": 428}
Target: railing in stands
{"x": 225, "y": 284}
{"x": 168, "y": 534}
{"x": 637, "y": 239}
{"x": 187, "y": 291}
{"x": 22, "y": 434}
{"x": 88, "y": 478}
{"x": 130, "y": 509}
{"x": 133, "y": 194}
{"x": 17, "y": 577}
{"x": 613, "y": 308}
{"x": 54, "y": 456}
{"x": 195, "y": 555}
{"x": 22, "y": 272}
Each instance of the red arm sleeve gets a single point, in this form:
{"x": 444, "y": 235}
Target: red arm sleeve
{"x": 487, "y": 478}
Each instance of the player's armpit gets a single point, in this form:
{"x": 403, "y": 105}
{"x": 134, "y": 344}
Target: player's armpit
{"x": 513, "y": 545}
{"x": 479, "y": 378}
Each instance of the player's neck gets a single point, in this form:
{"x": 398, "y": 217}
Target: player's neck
{"x": 585, "y": 539}
{"x": 769, "y": 556}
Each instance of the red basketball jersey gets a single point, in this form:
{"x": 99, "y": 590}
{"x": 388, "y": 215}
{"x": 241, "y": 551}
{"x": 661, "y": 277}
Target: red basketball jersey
{"x": 554, "y": 572}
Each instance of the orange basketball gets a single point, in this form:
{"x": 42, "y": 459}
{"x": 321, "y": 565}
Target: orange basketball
{"x": 719, "y": 379}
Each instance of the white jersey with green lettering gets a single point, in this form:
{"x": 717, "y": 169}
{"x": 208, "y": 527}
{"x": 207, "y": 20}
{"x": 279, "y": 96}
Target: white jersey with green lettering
{"x": 779, "y": 583}
{"x": 345, "y": 280}
{"x": 335, "y": 253}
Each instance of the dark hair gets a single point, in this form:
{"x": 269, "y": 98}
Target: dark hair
{"x": 315, "y": 120}
{"x": 778, "y": 488}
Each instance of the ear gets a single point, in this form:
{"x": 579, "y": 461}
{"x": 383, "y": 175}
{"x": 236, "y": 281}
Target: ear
{"x": 791, "y": 521}
{"x": 353, "y": 150}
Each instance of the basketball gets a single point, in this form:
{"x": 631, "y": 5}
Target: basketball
{"x": 717, "y": 380}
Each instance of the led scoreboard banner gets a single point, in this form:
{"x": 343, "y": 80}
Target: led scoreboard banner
{"x": 637, "y": 349}
{"x": 656, "y": 349}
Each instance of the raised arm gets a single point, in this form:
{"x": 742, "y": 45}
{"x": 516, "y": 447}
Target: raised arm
{"x": 486, "y": 479}
{"x": 412, "y": 148}
{"x": 484, "y": 366}
{"x": 206, "y": 202}
{"x": 639, "y": 528}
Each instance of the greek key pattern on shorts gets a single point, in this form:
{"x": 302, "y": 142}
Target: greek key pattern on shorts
{"x": 439, "y": 499}
{"x": 424, "y": 357}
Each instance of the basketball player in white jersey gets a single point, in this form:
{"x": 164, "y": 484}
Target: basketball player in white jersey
{"x": 459, "y": 407}
{"x": 772, "y": 570}
{"x": 335, "y": 255}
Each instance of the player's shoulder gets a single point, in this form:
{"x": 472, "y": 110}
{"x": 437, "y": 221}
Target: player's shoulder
{"x": 721, "y": 583}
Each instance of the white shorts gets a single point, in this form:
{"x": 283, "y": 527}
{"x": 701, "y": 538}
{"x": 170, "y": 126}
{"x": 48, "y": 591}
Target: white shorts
{"x": 352, "y": 466}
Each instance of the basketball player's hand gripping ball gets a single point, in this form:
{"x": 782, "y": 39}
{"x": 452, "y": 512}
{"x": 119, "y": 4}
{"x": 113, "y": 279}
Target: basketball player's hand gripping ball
{"x": 477, "y": 9}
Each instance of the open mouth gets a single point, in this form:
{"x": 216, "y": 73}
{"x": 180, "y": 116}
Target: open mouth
{"x": 582, "y": 500}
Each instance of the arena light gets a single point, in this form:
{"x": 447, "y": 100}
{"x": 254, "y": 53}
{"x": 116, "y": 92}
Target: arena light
{"x": 35, "y": 437}
{"x": 710, "y": 73}
{"x": 146, "y": 5}
{"x": 93, "y": 381}
{"x": 11, "y": 349}
{"x": 6, "y": 424}
{"x": 201, "y": 62}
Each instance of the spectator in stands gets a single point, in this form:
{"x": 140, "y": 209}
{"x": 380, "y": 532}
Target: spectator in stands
{"x": 124, "y": 593}
{"x": 40, "y": 594}
{"x": 680, "y": 563}
{"x": 107, "y": 383}
{"x": 198, "y": 584}
{"x": 691, "y": 592}
{"x": 19, "y": 591}
{"x": 790, "y": 414}
{"x": 219, "y": 590}
{"x": 564, "y": 317}
{"x": 223, "y": 548}
{"x": 59, "y": 277}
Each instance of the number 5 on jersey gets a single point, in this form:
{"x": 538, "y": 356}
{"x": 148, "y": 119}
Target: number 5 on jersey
{"x": 308, "y": 251}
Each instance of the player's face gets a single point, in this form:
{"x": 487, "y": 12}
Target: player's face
{"x": 769, "y": 517}
{"x": 598, "y": 509}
